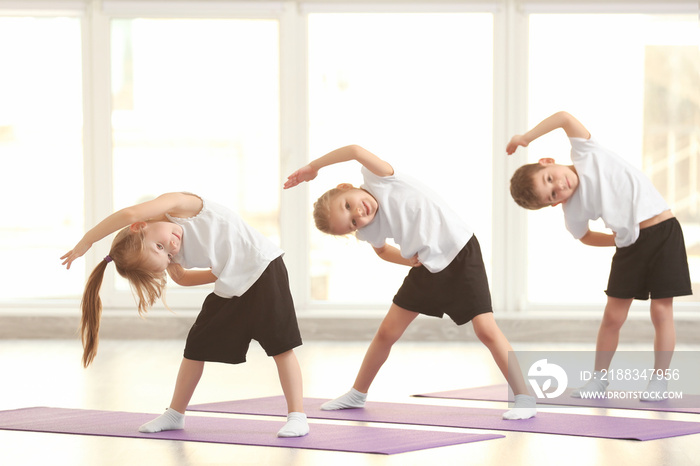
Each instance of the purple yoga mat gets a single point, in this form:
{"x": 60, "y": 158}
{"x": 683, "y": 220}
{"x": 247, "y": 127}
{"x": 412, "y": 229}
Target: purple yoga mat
{"x": 358, "y": 439}
{"x": 688, "y": 404}
{"x": 470, "y": 418}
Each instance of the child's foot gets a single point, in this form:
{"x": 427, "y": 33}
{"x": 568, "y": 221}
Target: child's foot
{"x": 169, "y": 420}
{"x": 524, "y": 408}
{"x": 595, "y": 386}
{"x": 655, "y": 390}
{"x": 296, "y": 426}
{"x": 352, "y": 399}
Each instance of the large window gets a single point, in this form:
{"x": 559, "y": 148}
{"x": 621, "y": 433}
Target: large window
{"x": 639, "y": 94}
{"x": 105, "y": 103}
{"x": 418, "y": 97}
{"x": 196, "y": 108}
{"x": 41, "y": 154}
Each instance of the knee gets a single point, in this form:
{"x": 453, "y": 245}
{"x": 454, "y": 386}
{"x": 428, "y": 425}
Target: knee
{"x": 661, "y": 319}
{"x": 615, "y": 313}
{"x": 488, "y": 338}
{"x": 613, "y": 321}
{"x": 488, "y": 333}
{"x": 661, "y": 314}
{"x": 387, "y": 335}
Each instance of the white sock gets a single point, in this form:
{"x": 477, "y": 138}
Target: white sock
{"x": 593, "y": 386}
{"x": 352, "y": 399}
{"x": 655, "y": 390}
{"x": 296, "y": 426}
{"x": 169, "y": 420}
{"x": 524, "y": 408}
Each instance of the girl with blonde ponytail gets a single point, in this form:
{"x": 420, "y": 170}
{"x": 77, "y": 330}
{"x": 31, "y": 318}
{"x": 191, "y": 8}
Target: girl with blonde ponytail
{"x": 172, "y": 235}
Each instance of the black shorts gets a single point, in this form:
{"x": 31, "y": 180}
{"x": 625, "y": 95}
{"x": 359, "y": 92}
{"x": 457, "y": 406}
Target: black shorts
{"x": 655, "y": 265}
{"x": 460, "y": 290}
{"x": 225, "y": 326}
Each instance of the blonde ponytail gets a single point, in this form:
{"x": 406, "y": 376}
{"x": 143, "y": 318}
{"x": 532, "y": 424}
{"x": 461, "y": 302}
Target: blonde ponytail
{"x": 126, "y": 253}
{"x": 91, "y": 307}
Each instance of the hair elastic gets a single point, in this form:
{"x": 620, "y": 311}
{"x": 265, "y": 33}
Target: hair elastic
{"x": 108, "y": 258}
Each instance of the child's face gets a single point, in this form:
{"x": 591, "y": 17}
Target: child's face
{"x": 555, "y": 184}
{"x": 161, "y": 243}
{"x": 351, "y": 209}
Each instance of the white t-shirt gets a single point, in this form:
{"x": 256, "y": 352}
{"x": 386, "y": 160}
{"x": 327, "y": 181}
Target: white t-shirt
{"x": 612, "y": 189}
{"x": 416, "y": 218}
{"x": 219, "y": 239}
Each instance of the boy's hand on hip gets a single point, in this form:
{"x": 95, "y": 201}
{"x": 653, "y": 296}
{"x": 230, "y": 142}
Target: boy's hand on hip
{"x": 415, "y": 262}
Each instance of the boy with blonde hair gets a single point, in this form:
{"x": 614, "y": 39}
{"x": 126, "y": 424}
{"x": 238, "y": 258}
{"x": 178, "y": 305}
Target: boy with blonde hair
{"x": 447, "y": 274}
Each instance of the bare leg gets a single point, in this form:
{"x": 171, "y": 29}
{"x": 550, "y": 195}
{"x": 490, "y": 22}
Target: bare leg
{"x": 292, "y": 386}
{"x": 174, "y": 418}
{"x": 490, "y": 335}
{"x": 291, "y": 381}
{"x": 390, "y": 330}
{"x": 187, "y": 380}
{"x": 493, "y": 338}
{"x": 614, "y": 317}
{"x": 615, "y": 314}
{"x": 392, "y": 327}
{"x": 665, "y": 332}
{"x": 664, "y": 345}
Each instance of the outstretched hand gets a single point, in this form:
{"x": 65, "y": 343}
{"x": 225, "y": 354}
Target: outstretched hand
{"x": 305, "y": 173}
{"x": 515, "y": 141}
{"x": 79, "y": 249}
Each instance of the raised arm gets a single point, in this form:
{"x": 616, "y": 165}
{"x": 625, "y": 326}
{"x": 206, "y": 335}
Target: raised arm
{"x": 176, "y": 204}
{"x": 353, "y": 152}
{"x": 564, "y": 120}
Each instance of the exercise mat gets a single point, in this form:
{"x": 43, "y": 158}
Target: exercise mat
{"x": 347, "y": 438}
{"x": 469, "y": 418}
{"x": 616, "y": 400}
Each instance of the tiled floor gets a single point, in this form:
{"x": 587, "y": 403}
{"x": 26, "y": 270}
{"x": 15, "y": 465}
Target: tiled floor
{"x": 138, "y": 376}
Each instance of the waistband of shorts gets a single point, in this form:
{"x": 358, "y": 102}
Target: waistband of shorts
{"x": 666, "y": 223}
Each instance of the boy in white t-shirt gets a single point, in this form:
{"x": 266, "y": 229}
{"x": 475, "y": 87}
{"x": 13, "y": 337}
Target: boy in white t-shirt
{"x": 650, "y": 260}
{"x": 447, "y": 273}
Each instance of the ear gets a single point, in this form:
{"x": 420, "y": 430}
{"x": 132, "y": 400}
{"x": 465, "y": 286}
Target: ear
{"x": 546, "y": 161}
{"x": 554, "y": 205}
{"x": 345, "y": 186}
{"x": 137, "y": 226}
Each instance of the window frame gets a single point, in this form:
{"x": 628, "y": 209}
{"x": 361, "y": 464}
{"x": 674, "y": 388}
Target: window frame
{"x": 510, "y": 112}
